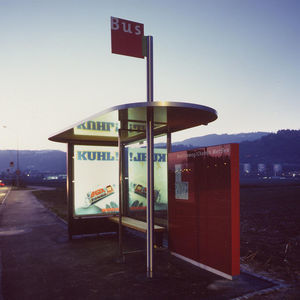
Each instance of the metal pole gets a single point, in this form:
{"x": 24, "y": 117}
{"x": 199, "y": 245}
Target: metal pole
{"x": 169, "y": 142}
{"x": 150, "y": 188}
{"x": 18, "y": 164}
{"x": 169, "y": 150}
{"x": 120, "y": 145}
{"x": 149, "y": 69}
{"x": 70, "y": 187}
{"x": 150, "y": 150}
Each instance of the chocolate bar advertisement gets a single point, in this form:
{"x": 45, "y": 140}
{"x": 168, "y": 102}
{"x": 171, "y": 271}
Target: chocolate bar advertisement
{"x": 96, "y": 187}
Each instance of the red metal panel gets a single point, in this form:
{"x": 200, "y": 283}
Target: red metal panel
{"x": 183, "y": 214}
{"x": 235, "y": 209}
{"x": 205, "y": 226}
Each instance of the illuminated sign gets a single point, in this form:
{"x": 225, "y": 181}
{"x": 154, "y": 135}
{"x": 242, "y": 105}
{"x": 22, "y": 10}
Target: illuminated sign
{"x": 97, "y": 155}
{"x": 96, "y": 185}
{"x": 96, "y": 180}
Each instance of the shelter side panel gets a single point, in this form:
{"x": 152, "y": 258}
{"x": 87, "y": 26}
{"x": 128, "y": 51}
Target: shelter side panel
{"x": 183, "y": 233}
{"x": 202, "y": 219}
{"x": 235, "y": 209}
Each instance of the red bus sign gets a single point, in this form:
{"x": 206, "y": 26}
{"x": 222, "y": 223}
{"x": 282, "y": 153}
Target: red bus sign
{"x": 127, "y": 37}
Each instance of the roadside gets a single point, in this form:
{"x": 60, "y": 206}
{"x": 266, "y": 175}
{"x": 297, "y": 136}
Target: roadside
{"x": 54, "y": 199}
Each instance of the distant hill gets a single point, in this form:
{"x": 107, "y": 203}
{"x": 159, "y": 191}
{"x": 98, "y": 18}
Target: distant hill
{"x": 216, "y": 139}
{"x": 282, "y": 147}
{"x": 42, "y": 160}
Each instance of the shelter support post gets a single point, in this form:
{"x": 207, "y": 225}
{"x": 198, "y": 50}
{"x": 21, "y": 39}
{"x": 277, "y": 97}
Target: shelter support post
{"x": 121, "y": 196}
{"x": 150, "y": 172}
{"x": 150, "y": 193}
{"x": 169, "y": 142}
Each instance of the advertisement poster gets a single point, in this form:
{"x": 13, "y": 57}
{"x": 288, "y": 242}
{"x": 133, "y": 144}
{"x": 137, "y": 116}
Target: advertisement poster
{"x": 96, "y": 185}
{"x": 137, "y": 178}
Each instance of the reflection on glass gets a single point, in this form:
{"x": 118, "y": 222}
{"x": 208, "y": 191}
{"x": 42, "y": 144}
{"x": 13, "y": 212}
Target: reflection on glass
{"x": 131, "y": 121}
{"x": 136, "y": 179}
{"x": 105, "y": 125}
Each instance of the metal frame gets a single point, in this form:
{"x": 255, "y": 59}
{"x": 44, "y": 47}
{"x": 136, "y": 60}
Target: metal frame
{"x": 121, "y": 195}
{"x": 150, "y": 194}
{"x": 67, "y": 136}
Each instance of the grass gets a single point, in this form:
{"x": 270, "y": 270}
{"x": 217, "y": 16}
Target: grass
{"x": 54, "y": 200}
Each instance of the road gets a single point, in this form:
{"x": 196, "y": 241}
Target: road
{"x": 4, "y": 191}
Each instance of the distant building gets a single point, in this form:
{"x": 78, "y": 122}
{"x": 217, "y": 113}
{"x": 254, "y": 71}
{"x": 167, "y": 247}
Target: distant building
{"x": 261, "y": 169}
{"x": 277, "y": 168}
{"x": 247, "y": 169}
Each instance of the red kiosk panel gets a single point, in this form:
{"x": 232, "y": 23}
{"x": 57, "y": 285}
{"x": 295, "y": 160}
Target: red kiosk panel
{"x": 204, "y": 207}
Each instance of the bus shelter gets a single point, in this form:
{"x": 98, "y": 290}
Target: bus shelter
{"x": 114, "y": 178}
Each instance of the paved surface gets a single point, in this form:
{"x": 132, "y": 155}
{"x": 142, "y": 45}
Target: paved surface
{"x": 37, "y": 261}
{"x": 4, "y": 191}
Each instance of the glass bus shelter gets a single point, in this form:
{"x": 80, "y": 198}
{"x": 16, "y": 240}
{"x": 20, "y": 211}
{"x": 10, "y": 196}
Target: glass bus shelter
{"x": 115, "y": 171}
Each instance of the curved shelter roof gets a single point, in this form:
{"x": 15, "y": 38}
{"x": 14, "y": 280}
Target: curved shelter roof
{"x": 102, "y": 128}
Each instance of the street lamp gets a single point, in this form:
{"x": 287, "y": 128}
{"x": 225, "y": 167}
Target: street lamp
{"x": 18, "y": 158}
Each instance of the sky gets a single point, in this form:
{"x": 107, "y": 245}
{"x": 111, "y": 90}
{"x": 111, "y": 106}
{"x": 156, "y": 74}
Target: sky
{"x": 240, "y": 57}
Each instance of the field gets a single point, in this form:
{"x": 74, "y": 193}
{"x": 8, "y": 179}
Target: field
{"x": 270, "y": 231}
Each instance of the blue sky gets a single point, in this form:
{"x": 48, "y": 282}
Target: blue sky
{"x": 241, "y": 58}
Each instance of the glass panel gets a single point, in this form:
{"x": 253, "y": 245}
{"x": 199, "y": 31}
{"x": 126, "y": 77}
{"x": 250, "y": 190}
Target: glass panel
{"x": 161, "y": 181}
{"x": 137, "y": 114}
{"x": 137, "y": 180}
{"x": 131, "y": 120}
{"x": 96, "y": 180}
{"x": 160, "y": 115}
{"x": 105, "y": 125}
{"x": 136, "y": 176}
